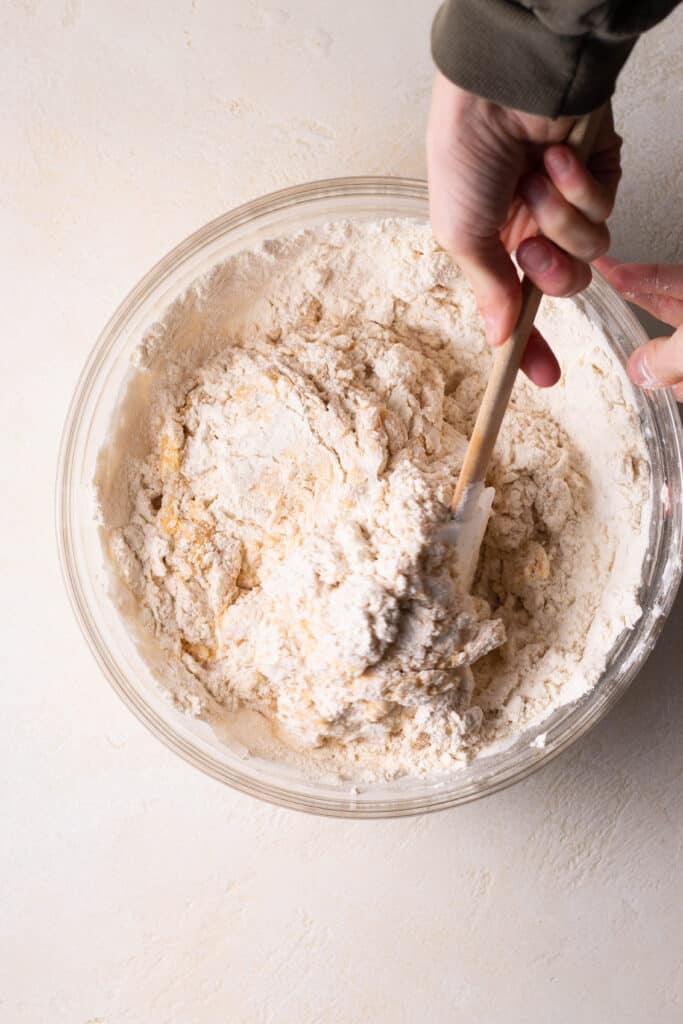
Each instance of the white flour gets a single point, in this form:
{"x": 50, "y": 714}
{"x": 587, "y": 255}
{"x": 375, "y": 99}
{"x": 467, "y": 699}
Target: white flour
{"x": 285, "y": 457}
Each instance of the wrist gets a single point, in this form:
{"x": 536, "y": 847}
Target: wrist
{"x": 468, "y": 109}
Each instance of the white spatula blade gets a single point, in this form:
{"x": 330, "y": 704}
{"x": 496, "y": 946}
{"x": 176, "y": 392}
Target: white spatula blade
{"x": 467, "y": 528}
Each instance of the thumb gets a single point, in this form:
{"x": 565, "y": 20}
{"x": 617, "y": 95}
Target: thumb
{"x": 493, "y": 278}
{"x": 658, "y": 363}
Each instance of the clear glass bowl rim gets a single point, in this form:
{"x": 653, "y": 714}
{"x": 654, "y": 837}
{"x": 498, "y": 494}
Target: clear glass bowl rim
{"x": 462, "y": 785}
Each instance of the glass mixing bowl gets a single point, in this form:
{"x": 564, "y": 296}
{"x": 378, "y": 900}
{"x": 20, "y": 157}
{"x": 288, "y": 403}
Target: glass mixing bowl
{"x": 88, "y": 424}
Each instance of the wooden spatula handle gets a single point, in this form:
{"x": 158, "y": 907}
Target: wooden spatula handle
{"x": 509, "y": 355}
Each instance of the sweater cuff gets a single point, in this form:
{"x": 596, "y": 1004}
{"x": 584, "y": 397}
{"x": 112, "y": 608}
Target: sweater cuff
{"x": 501, "y": 51}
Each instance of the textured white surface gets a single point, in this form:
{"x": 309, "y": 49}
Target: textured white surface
{"x": 134, "y": 890}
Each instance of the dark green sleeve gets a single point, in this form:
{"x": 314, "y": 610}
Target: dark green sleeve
{"x": 554, "y": 57}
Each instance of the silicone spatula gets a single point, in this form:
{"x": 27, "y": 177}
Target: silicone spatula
{"x": 472, "y": 500}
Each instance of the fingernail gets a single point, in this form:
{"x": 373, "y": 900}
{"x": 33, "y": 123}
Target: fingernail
{"x": 533, "y": 189}
{"x": 640, "y": 372}
{"x": 558, "y": 161}
{"x": 534, "y": 255}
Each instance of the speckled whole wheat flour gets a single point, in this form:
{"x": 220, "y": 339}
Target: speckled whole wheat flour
{"x": 281, "y": 465}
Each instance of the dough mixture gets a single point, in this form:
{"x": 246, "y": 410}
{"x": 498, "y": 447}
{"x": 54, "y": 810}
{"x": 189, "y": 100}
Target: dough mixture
{"x": 279, "y": 472}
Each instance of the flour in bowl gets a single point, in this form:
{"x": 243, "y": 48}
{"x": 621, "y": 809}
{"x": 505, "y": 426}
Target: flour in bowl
{"x": 273, "y": 493}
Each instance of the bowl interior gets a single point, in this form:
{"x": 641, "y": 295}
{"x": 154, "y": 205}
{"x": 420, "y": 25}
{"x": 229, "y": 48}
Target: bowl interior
{"x": 98, "y": 393}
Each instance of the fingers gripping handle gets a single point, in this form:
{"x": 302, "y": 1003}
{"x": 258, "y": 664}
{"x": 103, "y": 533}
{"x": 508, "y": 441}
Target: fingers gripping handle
{"x": 509, "y": 355}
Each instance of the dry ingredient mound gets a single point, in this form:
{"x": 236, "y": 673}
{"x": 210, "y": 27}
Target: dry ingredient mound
{"x": 278, "y": 474}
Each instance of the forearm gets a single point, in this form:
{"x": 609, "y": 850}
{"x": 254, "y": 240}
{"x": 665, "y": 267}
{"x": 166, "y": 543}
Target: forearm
{"x": 558, "y": 57}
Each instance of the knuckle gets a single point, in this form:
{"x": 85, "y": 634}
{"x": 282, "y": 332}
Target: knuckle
{"x": 600, "y": 202}
{"x": 597, "y": 203}
{"x": 596, "y": 244}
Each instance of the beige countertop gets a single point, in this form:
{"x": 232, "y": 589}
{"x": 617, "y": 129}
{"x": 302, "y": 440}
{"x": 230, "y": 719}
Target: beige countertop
{"x": 134, "y": 889}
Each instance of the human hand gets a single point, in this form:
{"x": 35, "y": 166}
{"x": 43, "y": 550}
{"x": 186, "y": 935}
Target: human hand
{"x": 658, "y": 288}
{"x": 496, "y": 177}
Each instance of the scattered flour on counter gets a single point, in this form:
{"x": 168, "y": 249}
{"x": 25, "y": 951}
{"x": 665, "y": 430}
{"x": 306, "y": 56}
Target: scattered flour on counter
{"x": 274, "y": 487}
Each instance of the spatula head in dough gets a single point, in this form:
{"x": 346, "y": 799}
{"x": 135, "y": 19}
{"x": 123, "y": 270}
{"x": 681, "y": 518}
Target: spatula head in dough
{"x": 466, "y": 528}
